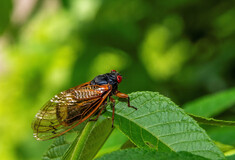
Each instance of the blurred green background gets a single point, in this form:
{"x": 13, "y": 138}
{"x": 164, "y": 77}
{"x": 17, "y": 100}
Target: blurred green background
{"x": 182, "y": 49}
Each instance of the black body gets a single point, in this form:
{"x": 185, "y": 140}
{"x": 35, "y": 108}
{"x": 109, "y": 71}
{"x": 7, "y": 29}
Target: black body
{"x": 108, "y": 78}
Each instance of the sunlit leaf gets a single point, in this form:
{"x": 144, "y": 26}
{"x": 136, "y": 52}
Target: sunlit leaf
{"x": 159, "y": 123}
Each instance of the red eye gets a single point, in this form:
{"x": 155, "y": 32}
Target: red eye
{"x": 119, "y": 79}
{"x": 113, "y": 71}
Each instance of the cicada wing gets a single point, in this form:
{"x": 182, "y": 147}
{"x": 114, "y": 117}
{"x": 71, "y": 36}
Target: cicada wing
{"x": 68, "y": 109}
{"x": 49, "y": 122}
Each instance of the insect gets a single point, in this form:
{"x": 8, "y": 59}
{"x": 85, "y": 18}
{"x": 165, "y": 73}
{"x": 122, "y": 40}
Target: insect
{"x": 69, "y": 108}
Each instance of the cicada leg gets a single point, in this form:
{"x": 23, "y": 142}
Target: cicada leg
{"x": 113, "y": 107}
{"x": 123, "y": 95}
{"x": 98, "y": 113}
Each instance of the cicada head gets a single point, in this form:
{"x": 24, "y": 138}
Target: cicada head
{"x": 113, "y": 78}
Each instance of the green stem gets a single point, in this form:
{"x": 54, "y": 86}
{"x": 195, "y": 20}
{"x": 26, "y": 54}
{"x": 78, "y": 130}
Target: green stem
{"x": 212, "y": 121}
{"x": 82, "y": 141}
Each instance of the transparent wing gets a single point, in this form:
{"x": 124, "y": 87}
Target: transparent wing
{"x": 68, "y": 109}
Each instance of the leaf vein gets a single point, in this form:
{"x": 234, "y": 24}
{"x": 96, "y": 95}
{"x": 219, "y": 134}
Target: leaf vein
{"x": 166, "y": 135}
{"x": 187, "y": 141}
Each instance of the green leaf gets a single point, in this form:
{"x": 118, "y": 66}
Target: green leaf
{"x": 57, "y": 149}
{"x": 5, "y": 13}
{"x": 61, "y": 144}
{"x": 83, "y": 142}
{"x": 224, "y": 135}
{"x": 224, "y": 147}
{"x": 211, "y": 105}
{"x": 212, "y": 121}
{"x": 232, "y": 157}
{"x": 128, "y": 144}
{"x": 159, "y": 123}
{"x": 141, "y": 154}
{"x": 113, "y": 143}
{"x": 90, "y": 141}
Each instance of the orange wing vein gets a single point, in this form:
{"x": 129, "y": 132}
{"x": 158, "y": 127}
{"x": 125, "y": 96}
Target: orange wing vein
{"x": 68, "y": 109}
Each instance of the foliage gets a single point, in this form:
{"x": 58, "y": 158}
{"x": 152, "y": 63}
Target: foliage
{"x": 139, "y": 154}
{"x": 181, "y": 49}
{"x": 158, "y": 125}
{"x": 211, "y": 105}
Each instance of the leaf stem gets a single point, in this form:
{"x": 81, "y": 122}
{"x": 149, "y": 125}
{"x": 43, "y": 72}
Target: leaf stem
{"x": 81, "y": 141}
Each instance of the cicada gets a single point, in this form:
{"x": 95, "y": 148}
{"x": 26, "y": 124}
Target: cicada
{"x": 70, "y": 108}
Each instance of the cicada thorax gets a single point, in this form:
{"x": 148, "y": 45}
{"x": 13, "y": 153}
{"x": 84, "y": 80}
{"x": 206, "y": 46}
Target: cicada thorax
{"x": 74, "y": 104}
